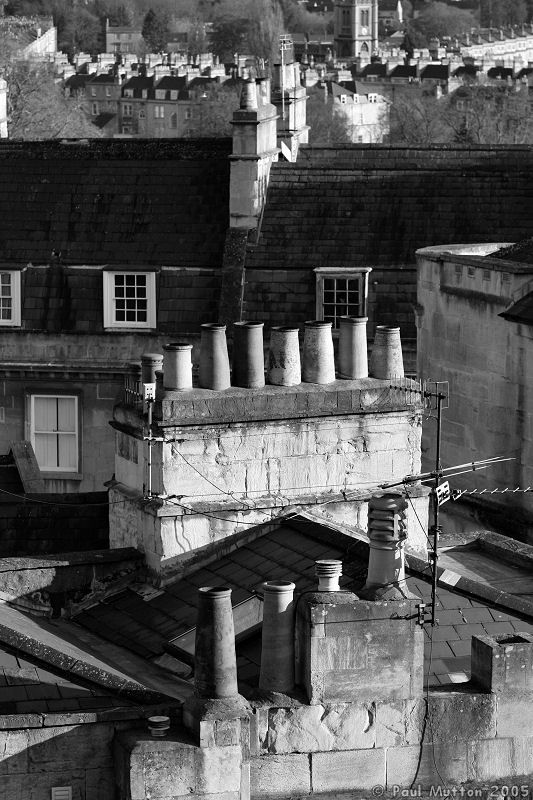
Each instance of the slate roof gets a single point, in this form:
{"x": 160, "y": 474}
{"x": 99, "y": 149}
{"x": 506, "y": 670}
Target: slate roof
{"x": 521, "y": 311}
{"x": 440, "y": 72}
{"x": 29, "y": 689}
{"x": 114, "y": 202}
{"x": 149, "y": 624}
{"x": 522, "y": 252}
{"x": 355, "y": 206}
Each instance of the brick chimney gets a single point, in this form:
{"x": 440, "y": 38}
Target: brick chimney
{"x": 254, "y": 150}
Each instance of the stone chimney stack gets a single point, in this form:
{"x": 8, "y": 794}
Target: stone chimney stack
{"x": 254, "y": 150}
{"x": 3, "y": 109}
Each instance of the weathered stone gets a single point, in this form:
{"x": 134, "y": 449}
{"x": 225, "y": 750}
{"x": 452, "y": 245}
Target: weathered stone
{"x": 280, "y": 775}
{"x": 48, "y": 750}
{"x": 399, "y": 723}
{"x": 456, "y": 716}
{"x": 435, "y": 764}
{"x": 348, "y": 770}
{"x": 218, "y": 769}
{"x": 13, "y": 752}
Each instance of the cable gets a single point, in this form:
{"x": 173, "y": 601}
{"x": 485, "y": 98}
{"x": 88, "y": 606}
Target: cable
{"x": 66, "y": 505}
{"x": 229, "y": 494}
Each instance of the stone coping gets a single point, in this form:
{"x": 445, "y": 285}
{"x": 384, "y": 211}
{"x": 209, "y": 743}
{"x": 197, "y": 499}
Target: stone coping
{"x": 306, "y": 400}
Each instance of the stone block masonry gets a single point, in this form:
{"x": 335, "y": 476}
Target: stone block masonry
{"x": 244, "y": 455}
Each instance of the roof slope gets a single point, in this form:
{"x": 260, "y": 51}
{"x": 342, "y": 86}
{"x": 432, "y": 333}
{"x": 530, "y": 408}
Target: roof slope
{"x": 151, "y": 624}
{"x": 144, "y": 202}
{"x": 366, "y": 206}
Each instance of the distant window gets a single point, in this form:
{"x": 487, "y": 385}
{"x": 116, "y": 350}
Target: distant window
{"x": 160, "y": 94}
{"x": 159, "y": 112}
{"x": 128, "y": 92}
{"x": 372, "y": 98}
{"x": 129, "y": 300}
{"x": 94, "y": 109}
{"x": 108, "y": 91}
{"x": 173, "y": 94}
{"x": 365, "y": 17}
{"x": 127, "y": 109}
{"x": 142, "y": 113}
{"x": 174, "y": 121}
{"x": 343, "y": 98}
{"x": 9, "y": 298}
{"x": 345, "y": 19}
{"x": 61, "y": 793}
{"x": 54, "y": 432}
{"x": 471, "y": 272}
{"x": 188, "y": 113}
{"x": 340, "y": 293}
{"x": 486, "y": 274}
{"x": 144, "y": 94}
{"x": 93, "y": 91}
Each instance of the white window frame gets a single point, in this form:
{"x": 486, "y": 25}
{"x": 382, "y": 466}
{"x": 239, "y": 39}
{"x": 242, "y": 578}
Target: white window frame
{"x": 47, "y": 469}
{"x": 127, "y": 110}
{"x": 109, "y": 301}
{"x": 342, "y": 273}
{"x": 15, "y": 320}
{"x": 159, "y": 112}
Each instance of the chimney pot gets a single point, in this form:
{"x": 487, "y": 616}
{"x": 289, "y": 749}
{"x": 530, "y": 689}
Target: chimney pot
{"x": 177, "y": 366}
{"x": 318, "y": 356}
{"x": 284, "y": 357}
{"x": 248, "y": 355}
{"x": 214, "y": 370}
{"x": 214, "y": 658}
{"x": 328, "y": 572}
{"x": 277, "y": 652}
{"x": 353, "y": 358}
{"x": 386, "y": 360}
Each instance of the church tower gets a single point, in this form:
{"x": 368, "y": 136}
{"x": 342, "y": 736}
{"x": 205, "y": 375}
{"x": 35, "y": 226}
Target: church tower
{"x": 356, "y": 28}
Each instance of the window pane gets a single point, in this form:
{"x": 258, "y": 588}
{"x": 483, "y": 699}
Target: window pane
{"x": 66, "y": 414}
{"x": 46, "y": 450}
{"x": 67, "y": 451}
{"x": 45, "y": 413}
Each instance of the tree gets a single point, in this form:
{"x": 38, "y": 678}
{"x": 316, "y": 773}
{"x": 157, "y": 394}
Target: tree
{"x": 155, "y": 31}
{"x": 327, "y": 127}
{"x": 490, "y": 115}
{"x": 439, "y": 19}
{"x": 265, "y": 27}
{"x": 211, "y": 115}
{"x": 498, "y": 13}
{"x": 81, "y": 31}
{"x": 38, "y": 108}
{"x": 417, "y": 118}
{"x": 197, "y": 39}
{"x": 227, "y": 37}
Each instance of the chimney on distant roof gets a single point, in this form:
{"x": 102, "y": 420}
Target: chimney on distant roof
{"x": 254, "y": 150}
{"x": 3, "y": 109}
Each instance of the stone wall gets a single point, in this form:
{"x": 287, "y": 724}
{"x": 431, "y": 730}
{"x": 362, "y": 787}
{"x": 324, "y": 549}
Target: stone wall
{"x": 37, "y": 757}
{"x": 487, "y": 360}
{"x": 232, "y": 459}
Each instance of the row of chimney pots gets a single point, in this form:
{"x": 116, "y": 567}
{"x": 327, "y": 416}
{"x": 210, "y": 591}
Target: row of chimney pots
{"x": 285, "y": 366}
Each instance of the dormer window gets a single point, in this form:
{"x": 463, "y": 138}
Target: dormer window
{"x": 129, "y": 300}
{"x": 128, "y": 92}
{"x": 160, "y": 94}
{"x": 10, "y": 298}
{"x": 343, "y": 98}
{"x": 173, "y": 94}
{"x": 341, "y": 292}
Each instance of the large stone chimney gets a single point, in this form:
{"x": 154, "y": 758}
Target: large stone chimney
{"x": 254, "y": 150}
